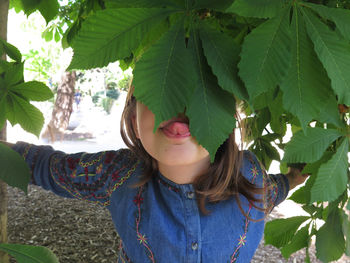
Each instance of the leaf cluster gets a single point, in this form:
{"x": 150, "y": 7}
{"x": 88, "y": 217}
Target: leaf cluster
{"x": 286, "y": 62}
{"x": 15, "y": 94}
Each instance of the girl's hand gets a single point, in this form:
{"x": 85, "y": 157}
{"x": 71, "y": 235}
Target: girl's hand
{"x": 295, "y": 177}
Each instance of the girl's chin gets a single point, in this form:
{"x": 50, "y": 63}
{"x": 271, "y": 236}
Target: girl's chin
{"x": 182, "y": 155}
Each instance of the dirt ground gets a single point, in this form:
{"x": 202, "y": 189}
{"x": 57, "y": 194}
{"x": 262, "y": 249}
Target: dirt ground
{"x": 81, "y": 232}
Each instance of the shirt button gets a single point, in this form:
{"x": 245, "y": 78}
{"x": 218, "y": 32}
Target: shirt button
{"x": 190, "y": 195}
{"x": 194, "y": 246}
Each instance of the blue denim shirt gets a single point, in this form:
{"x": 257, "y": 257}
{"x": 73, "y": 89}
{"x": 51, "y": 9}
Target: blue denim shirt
{"x": 160, "y": 221}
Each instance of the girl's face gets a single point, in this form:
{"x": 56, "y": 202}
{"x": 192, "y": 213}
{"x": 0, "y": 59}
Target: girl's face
{"x": 167, "y": 150}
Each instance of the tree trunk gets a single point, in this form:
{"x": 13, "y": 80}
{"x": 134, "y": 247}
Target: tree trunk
{"x": 3, "y": 208}
{"x": 63, "y": 108}
{"x": 4, "y": 7}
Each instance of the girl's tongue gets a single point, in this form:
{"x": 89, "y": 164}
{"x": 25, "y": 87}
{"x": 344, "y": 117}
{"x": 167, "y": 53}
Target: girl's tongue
{"x": 177, "y": 129}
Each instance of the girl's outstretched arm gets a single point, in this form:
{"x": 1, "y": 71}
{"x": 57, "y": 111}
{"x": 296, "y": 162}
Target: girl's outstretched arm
{"x": 295, "y": 177}
{"x": 85, "y": 176}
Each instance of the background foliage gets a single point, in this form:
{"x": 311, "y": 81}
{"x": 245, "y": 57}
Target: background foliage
{"x": 285, "y": 63}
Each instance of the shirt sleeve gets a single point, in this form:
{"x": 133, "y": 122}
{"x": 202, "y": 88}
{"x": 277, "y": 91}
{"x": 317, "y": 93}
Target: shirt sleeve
{"x": 276, "y": 189}
{"x": 86, "y": 176}
{"x": 275, "y": 186}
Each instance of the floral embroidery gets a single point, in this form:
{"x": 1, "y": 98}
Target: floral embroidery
{"x": 74, "y": 175}
{"x": 166, "y": 184}
{"x": 138, "y": 200}
{"x": 72, "y": 163}
{"x": 254, "y": 171}
{"x": 26, "y": 151}
{"x": 270, "y": 192}
{"x": 242, "y": 241}
{"x": 91, "y": 163}
{"x": 34, "y": 159}
{"x": 243, "y": 238}
{"x": 142, "y": 238}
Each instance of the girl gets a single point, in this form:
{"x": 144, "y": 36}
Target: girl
{"x": 167, "y": 201}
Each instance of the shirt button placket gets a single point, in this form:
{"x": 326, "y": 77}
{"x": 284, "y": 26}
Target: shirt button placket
{"x": 193, "y": 226}
{"x": 190, "y": 195}
{"x": 194, "y": 246}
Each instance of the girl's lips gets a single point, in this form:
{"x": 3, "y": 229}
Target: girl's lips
{"x": 166, "y": 123}
{"x": 176, "y": 129}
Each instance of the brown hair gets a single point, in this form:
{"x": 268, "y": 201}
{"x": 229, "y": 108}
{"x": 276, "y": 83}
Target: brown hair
{"x": 223, "y": 178}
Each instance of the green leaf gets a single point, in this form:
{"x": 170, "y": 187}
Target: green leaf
{"x": 330, "y": 243}
{"x": 307, "y": 256}
{"x": 71, "y": 33}
{"x": 14, "y": 74}
{"x": 14, "y": 170}
{"x": 29, "y": 254}
{"x": 299, "y": 241}
{"x": 312, "y": 168}
{"x": 309, "y": 147}
{"x": 270, "y": 151}
{"x": 47, "y": 8}
{"x": 264, "y": 151}
{"x": 280, "y": 232}
{"x": 340, "y": 16}
{"x": 2, "y": 111}
{"x": 332, "y": 176}
{"x": 33, "y": 90}
{"x": 256, "y": 8}
{"x": 211, "y": 110}
{"x": 306, "y": 87}
{"x": 303, "y": 195}
{"x": 143, "y": 3}
{"x": 28, "y": 6}
{"x": 330, "y": 113}
{"x": 277, "y": 123}
{"x": 265, "y": 56}
{"x": 11, "y": 51}
{"x": 263, "y": 100}
{"x": 113, "y": 34}
{"x": 5, "y": 65}
{"x": 150, "y": 39}
{"x": 346, "y": 231}
{"x": 222, "y": 54}
{"x": 47, "y": 34}
{"x": 283, "y": 168}
{"x": 57, "y": 36}
{"x": 16, "y": 4}
{"x": 334, "y": 54}
{"x": 163, "y": 76}
{"x": 25, "y": 114}
{"x": 210, "y": 4}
